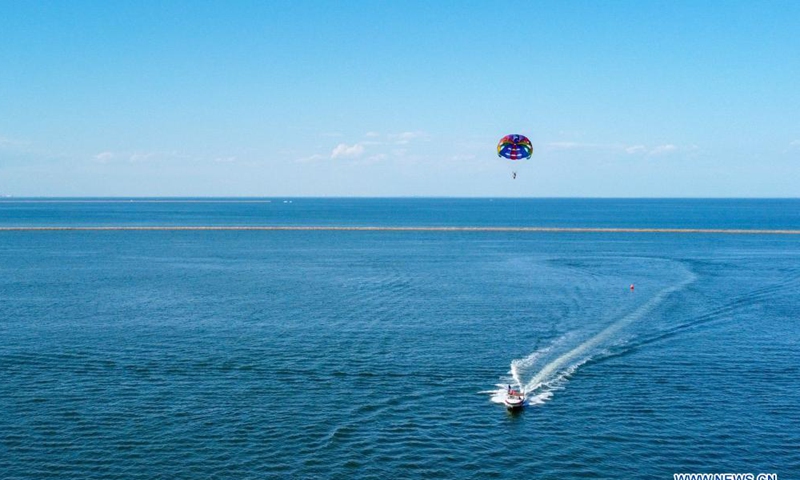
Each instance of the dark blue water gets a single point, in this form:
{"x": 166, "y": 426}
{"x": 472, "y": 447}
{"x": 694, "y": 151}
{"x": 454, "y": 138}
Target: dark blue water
{"x": 259, "y": 354}
{"x": 599, "y": 213}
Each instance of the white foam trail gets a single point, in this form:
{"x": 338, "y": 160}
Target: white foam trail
{"x": 497, "y": 396}
{"x": 525, "y": 363}
{"x": 540, "y": 398}
{"x": 552, "y": 375}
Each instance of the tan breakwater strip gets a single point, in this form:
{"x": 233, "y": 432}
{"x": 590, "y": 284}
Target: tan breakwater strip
{"x": 403, "y": 229}
{"x": 143, "y": 200}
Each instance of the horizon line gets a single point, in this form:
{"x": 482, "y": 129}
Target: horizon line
{"x": 268, "y": 199}
{"x": 275, "y": 228}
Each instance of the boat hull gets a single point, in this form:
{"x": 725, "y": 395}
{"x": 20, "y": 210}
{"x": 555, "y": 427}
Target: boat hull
{"x": 514, "y": 402}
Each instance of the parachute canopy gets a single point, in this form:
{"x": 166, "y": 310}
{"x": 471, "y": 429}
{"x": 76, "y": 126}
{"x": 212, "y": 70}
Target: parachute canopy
{"x": 515, "y": 147}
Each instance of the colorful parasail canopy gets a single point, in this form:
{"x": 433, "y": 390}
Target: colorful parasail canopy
{"x": 515, "y": 147}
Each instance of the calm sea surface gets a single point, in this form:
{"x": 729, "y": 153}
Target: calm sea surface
{"x": 342, "y": 354}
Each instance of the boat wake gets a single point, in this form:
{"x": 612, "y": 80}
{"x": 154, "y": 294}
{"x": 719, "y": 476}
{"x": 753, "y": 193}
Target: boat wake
{"x": 547, "y": 370}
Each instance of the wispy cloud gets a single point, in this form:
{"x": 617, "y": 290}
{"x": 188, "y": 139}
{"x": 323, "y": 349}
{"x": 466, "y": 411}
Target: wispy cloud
{"x": 373, "y": 147}
{"x": 344, "y": 150}
{"x": 312, "y": 158}
{"x": 406, "y": 137}
{"x": 634, "y": 149}
{"x": 12, "y": 143}
{"x": 377, "y": 158}
{"x": 579, "y": 146}
{"x": 104, "y": 157}
{"x": 131, "y": 157}
{"x": 34, "y": 153}
{"x": 110, "y": 156}
{"x": 142, "y": 157}
{"x": 662, "y": 150}
{"x": 793, "y": 147}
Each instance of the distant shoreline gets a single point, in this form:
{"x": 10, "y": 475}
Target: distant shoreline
{"x": 725, "y": 231}
{"x": 279, "y": 199}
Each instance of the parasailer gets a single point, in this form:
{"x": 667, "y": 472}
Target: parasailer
{"x": 515, "y": 147}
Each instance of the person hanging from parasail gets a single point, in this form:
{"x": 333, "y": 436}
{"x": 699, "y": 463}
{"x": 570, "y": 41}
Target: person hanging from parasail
{"x": 514, "y": 147}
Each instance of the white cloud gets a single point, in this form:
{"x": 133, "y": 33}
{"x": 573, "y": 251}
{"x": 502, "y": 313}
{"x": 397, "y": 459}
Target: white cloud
{"x": 347, "y": 151}
{"x": 104, "y": 157}
{"x": 406, "y": 137}
{"x": 312, "y": 158}
{"x": 794, "y": 146}
{"x": 635, "y": 149}
{"x": 658, "y": 150}
{"x": 563, "y": 145}
{"x": 662, "y": 150}
{"x": 577, "y": 145}
{"x": 371, "y": 159}
{"x": 137, "y": 157}
{"x": 13, "y": 143}
{"x": 140, "y": 157}
{"x": 373, "y": 147}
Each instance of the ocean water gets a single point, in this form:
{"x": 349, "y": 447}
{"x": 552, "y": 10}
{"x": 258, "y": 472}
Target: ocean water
{"x": 379, "y": 354}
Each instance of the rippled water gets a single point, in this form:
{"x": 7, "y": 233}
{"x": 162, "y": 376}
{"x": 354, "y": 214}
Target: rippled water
{"x": 382, "y": 354}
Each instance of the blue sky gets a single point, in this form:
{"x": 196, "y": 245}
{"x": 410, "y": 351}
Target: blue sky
{"x": 379, "y": 98}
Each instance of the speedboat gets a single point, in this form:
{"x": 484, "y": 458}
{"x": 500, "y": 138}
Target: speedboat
{"x": 514, "y": 400}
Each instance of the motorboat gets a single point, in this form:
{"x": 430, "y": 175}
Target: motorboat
{"x": 514, "y": 400}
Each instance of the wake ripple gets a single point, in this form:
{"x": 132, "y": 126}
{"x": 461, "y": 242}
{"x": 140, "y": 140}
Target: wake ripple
{"x": 559, "y": 361}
